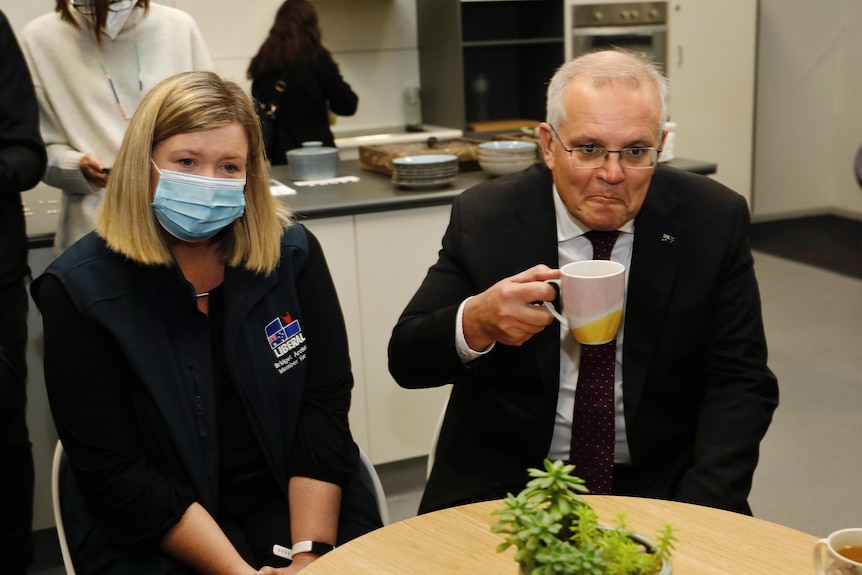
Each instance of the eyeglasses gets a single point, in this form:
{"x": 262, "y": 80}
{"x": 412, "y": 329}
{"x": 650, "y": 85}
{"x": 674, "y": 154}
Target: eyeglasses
{"x": 87, "y": 8}
{"x": 590, "y": 157}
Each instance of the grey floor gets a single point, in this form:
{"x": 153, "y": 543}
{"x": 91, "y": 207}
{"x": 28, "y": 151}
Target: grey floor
{"x": 811, "y": 459}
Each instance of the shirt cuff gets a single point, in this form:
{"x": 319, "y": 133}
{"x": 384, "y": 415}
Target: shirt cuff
{"x": 464, "y": 352}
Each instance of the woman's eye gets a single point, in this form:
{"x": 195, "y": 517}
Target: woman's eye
{"x": 186, "y": 163}
{"x": 230, "y": 168}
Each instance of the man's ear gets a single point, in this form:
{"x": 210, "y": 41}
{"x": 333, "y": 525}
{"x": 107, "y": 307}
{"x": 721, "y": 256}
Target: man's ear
{"x": 546, "y": 141}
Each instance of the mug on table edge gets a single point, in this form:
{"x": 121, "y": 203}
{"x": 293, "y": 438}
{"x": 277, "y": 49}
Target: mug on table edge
{"x": 836, "y": 563}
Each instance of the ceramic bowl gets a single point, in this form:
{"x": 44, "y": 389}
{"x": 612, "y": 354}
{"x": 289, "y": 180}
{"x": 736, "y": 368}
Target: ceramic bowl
{"x": 506, "y": 156}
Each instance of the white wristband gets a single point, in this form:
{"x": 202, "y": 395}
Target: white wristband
{"x": 315, "y": 547}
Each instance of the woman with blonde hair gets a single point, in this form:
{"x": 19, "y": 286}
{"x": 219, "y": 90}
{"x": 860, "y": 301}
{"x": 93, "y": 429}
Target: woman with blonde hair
{"x": 196, "y": 358}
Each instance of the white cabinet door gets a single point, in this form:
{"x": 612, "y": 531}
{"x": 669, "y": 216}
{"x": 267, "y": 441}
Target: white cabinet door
{"x": 336, "y": 236}
{"x": 712, "y": 52}
{"x": 394, "y": 252}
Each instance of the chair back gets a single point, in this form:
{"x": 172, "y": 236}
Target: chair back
{"x": 369, "y": 478}
{"x": 56, "y": 467}
{"x": 432, "y": 452}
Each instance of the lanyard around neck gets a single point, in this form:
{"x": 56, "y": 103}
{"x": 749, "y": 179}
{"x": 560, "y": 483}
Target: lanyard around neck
{"x": 111, "y": 80}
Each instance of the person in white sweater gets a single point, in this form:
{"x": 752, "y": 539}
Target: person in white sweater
{"x": 92, "y": 61}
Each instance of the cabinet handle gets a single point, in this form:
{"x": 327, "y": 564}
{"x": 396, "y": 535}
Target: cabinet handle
{"x": 679, "y": 55}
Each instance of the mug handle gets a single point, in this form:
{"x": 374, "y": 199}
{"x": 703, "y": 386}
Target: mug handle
{"x": 550, "y": 305}
{"x": 818, "y": 555}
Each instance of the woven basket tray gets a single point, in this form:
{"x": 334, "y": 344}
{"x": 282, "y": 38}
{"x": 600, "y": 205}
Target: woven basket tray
{"x": 379, "y": 158}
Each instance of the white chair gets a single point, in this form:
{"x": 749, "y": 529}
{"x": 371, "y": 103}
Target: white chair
{"x": 367, "y": 475}
{"x": 369, "y": 478}
{"x": 58, "y": 514}
{"x": 433, "y": 451}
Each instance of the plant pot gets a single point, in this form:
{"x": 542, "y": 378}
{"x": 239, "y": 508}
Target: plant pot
{"x": 666, "y": 566}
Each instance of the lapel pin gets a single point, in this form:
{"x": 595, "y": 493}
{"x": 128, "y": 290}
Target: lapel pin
{"x": 667, "y": 238}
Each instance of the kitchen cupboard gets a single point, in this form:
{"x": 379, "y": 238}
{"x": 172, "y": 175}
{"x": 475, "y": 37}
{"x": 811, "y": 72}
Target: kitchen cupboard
{"x": 712, "y": 55}
{"x": 378, "y": 261}
{"x": 336, "y": 236}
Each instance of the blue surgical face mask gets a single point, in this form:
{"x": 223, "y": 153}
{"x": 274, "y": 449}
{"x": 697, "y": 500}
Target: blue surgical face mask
{"x": 194, "y": 208}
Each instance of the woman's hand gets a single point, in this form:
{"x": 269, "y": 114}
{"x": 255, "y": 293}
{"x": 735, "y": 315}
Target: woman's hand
{"x": 94, "y": 170}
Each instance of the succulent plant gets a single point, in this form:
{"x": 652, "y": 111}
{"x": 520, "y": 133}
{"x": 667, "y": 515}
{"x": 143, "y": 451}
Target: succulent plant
{"x": 556, "y": 532}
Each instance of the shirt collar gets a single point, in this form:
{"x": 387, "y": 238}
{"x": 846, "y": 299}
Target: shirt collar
{"x": 569, "y": 227}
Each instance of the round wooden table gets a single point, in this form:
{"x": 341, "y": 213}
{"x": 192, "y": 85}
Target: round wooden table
{"x": 459, "y": 540}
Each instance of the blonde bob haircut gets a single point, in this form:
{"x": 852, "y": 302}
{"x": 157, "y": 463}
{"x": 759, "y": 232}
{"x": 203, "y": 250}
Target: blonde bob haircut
{"x": 185, "y": 103}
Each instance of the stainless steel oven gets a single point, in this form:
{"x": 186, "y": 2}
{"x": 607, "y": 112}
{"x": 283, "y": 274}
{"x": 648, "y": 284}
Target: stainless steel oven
{"x": 640, "y": 26}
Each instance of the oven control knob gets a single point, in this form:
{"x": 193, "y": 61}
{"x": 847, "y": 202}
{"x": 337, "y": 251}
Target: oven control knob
{"x": 624, "y": 14}
{"x": 598, "y": 16}
{"x": 653, "y": 13}
{"x": 636, "y": 15}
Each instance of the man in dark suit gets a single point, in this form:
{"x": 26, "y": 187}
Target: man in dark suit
{"x": 693, "y": 396}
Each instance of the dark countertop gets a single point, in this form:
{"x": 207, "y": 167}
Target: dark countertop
{"x": 375, "y": 192}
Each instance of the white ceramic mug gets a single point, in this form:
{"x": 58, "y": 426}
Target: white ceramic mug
{"x": 592, "y": 294}
{"x": 839, "y": 554}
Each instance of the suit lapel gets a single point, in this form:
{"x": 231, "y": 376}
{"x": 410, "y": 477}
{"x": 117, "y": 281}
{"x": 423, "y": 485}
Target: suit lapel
{"x": 655, "y": 261}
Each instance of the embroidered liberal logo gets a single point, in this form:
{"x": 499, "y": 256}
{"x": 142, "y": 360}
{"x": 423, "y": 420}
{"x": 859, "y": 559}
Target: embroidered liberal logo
{"x": 284, "y": 334}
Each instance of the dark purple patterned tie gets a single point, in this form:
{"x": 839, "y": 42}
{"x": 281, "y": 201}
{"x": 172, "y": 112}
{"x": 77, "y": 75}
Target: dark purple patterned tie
{"x": 593, "y": 425}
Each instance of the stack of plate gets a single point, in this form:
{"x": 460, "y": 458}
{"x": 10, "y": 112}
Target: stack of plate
{"x": 424, "y": 171}
{"x": 506, "y": 156}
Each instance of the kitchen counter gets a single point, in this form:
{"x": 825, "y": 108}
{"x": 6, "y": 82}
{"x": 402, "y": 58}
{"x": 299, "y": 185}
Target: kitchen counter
{"x": 375, "y": 192}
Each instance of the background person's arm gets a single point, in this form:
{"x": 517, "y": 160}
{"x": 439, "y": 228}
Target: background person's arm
{"x": 22, "y": 153}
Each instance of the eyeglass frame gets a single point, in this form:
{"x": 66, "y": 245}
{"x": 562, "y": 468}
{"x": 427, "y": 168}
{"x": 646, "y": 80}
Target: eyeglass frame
{"x": 608, "y": 152}
{"x": 89, "y": 9}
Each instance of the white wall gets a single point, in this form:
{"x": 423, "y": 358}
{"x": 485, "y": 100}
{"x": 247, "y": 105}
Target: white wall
{"x": 809, "y": 123}
{"x": 848, "y": 121}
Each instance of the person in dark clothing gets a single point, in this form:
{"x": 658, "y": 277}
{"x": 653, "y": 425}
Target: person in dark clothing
{"x": 22, "y": 164}
{"x": 297, "y": 84}
{"x": 196, "y": 358}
